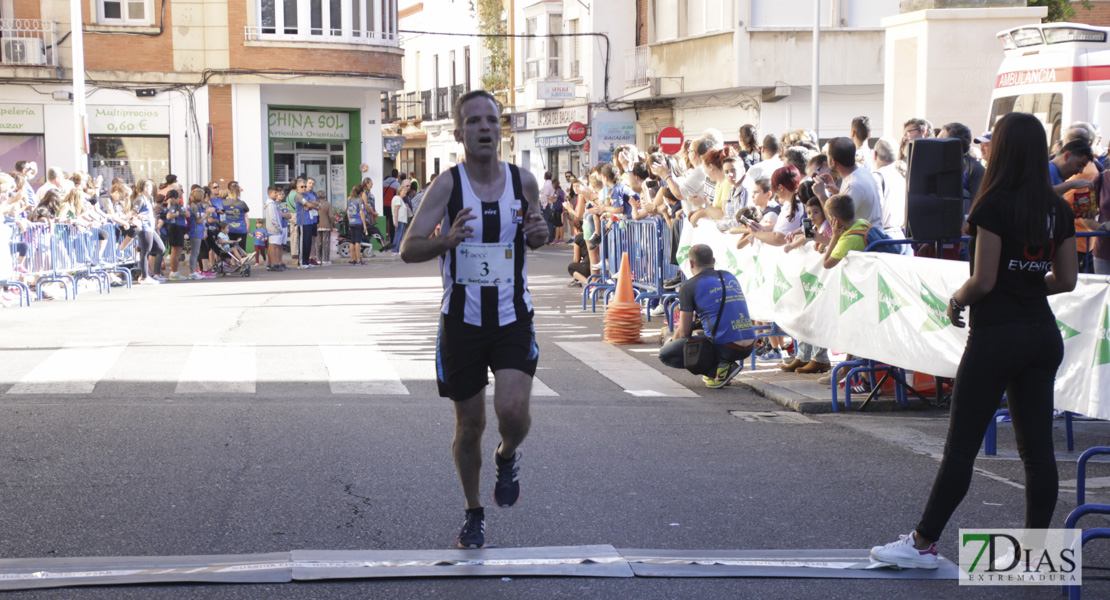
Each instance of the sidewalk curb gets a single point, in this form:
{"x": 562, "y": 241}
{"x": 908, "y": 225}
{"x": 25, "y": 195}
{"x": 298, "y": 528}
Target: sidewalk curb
{"x": 794, "y": 401}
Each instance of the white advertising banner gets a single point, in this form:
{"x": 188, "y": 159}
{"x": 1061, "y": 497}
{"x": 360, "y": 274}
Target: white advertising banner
{"x": 892, "y": 308}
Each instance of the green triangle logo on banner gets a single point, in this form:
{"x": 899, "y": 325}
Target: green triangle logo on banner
{"x": 849, "y": 294}
{"x": 781, "y": 285}
{"x": 811, "y": 286}
{"x": 889, "y": 301}
{"x": 758, "y": 278}
{"x": 1065, "y": 331}
{"x": 732, "y": 265}
{"x": 936, "y": 310}
{"x": 1102, "y": 348}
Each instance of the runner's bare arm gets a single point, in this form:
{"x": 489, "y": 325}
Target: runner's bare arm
{"x": 419, "y": 245}
{"x": 535, "y": 228}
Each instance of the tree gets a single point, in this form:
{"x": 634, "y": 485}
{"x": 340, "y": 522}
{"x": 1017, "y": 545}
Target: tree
{"x": 1059, "y": 10}
{"x": 496, "y": 78}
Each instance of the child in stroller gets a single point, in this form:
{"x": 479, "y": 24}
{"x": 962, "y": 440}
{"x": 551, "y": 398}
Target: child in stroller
{"x": 232, "y": 258}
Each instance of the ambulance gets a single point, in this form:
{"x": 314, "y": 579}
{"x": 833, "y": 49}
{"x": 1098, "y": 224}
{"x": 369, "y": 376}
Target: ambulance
{"x": 1059, "y": 72}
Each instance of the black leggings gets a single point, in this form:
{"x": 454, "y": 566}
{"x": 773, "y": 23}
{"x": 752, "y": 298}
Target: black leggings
{"x": 150, "y": 244}
{"x": 1019, "y": 359}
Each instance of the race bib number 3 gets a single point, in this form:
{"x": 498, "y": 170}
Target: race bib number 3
{"x": 484, "y": 264}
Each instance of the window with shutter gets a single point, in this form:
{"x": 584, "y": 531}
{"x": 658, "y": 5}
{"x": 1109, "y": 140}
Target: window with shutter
{"x": 695, "y": 17}
{"x": 789, "y": 14}
{"x": 868, "y": 13}
{"x": 666, "y": 19}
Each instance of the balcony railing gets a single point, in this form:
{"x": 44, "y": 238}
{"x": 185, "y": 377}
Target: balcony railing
{"x": 363, "y": 22}
{"x": 636, "y": 62}
{"x": 28, "y": 42}
{"x": 443, "y": 103}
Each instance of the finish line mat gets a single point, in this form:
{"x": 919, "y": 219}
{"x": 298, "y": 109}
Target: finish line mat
{"x": 827, "y": 564}
{"x": 559, "y": 561}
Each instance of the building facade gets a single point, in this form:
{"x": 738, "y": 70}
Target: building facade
{"x": 571, "y": 72}
{"x": 256, "y": 91}
{"x": 438, "y": 69}
{"x": 725, "y": 63}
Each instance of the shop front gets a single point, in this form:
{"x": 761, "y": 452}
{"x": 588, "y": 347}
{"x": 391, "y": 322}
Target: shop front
{"x": 129, "y": 142}
{"x": 21, "y": 135}
{"x": 541, "y": 143}
{"x": 317, "y": 143}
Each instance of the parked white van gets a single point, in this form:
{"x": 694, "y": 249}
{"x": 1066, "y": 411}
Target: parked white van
{"x": 1059, "y": 72}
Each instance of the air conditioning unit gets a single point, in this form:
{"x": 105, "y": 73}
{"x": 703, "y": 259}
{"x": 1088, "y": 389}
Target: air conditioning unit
{"x": 22, "y": 51}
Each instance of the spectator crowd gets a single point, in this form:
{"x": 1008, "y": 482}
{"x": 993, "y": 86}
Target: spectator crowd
{"x": 838, "y": 195}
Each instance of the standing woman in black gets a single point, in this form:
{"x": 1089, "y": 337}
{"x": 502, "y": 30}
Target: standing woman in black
{"x": 1022, "y": 249}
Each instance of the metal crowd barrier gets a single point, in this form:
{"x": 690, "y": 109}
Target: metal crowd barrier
{"x": 9, "y": 261}
{"x": 647, "y": 243}
{"x": 65, "y": 254}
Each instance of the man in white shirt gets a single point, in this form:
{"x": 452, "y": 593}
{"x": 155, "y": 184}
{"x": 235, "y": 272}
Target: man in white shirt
{"x": 856, "y": 182}
{"x": 861, "y": 132}
{"x": 771, "y": 162}
{"x": 892, "y": 189}
{"x": 55, "y": 180}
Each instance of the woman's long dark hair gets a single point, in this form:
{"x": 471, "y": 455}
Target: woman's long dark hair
{"x": 1019, "y": 168}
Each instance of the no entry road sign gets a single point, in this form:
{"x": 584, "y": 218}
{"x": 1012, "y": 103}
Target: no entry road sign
{"x": 670, "y": 140}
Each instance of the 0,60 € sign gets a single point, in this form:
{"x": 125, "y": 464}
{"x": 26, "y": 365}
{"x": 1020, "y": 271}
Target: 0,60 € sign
{"x": 134, "y": 120}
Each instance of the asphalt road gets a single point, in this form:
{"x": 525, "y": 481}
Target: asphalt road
{"x": 260, "y": 454}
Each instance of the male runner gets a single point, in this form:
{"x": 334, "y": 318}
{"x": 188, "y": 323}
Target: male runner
{"x": 487, "y": 211}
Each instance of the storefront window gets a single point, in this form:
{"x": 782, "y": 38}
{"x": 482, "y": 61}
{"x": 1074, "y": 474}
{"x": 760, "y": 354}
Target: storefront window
{"x": 129, "y": 158}
{"x": 15, "y": 148}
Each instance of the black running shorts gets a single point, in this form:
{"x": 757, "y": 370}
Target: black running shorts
{"x": 464, "y": 354}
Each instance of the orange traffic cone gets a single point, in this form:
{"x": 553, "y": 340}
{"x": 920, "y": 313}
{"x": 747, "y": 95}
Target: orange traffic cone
{"x": 622, "y": 315}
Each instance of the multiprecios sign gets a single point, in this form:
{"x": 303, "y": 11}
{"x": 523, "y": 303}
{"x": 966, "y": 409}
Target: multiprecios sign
{"x": 309, "y": 125}
{"x": 21, "y": 118}
{"x": 129, "y": 120}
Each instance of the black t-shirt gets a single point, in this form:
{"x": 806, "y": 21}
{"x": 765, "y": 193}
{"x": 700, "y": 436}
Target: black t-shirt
{"x": 1020, "y": 293}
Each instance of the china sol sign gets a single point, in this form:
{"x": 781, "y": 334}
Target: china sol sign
{"x": 309, "y": 125}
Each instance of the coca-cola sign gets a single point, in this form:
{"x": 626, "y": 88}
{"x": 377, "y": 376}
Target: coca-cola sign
{"x": 576, "y": 132}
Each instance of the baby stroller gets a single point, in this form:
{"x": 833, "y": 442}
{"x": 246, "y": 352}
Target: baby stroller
{"x": 228, "y": 264}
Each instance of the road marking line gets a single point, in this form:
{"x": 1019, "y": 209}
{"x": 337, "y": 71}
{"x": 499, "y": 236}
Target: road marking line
{"x": 73, "y": 369}
{"x": 361, "y": 369}
{"x": 634, "y": 376}
{"x": 219, "y": 368}
{"x": 539, "y": 388}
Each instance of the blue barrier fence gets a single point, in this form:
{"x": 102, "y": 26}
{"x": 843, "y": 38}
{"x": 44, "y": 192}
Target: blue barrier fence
{"x": 63, "y": 254}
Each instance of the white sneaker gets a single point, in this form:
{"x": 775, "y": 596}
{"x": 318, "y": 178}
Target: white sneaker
{"x": 1006, "y": 561}
{"x": 175, "y": 276}
{"x": 149, "y": 281}
{"x": 902, "y": 554}
{"x": 658, "y": 311}
{"x": 196, "y": 276}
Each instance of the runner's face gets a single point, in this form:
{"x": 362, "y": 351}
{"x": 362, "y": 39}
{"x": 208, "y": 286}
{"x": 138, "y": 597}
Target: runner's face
{"x": 481, "y": 128}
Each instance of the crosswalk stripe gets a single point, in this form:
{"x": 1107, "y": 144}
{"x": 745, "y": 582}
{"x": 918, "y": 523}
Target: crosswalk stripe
{"x": 219, "y": 368}
{"x": 74, "y": 369}
{"x": 622, "y": 369}
{"x": 539, "y": 388}
{"x": 361, "y": 369}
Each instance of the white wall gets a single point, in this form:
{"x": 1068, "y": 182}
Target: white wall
{"x": 251, "y": 171}
{"x": 941, "y": 64}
